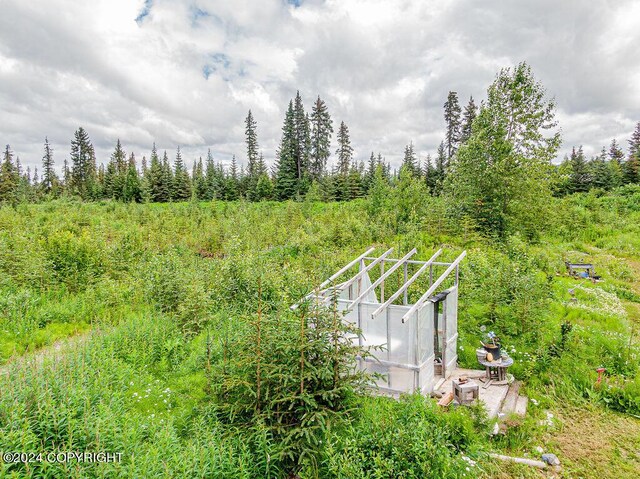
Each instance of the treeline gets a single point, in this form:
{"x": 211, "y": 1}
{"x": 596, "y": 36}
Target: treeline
{"x": 302, "y": 164}
{"x": 607, "y": 170}
{"x": 301, "y": 168}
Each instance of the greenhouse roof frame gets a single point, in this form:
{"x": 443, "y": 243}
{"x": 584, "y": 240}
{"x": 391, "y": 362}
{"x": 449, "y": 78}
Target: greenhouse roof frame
{"x": 327, "y": 286}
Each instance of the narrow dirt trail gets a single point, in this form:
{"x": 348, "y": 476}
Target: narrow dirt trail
{"x": 56, "y": 349}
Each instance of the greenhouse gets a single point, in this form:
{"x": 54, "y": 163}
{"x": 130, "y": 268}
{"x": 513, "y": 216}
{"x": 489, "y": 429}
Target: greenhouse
{"x": 414, "y": 343}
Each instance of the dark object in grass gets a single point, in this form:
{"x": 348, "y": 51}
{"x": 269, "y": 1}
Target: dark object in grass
{"x": 581, "y": 270}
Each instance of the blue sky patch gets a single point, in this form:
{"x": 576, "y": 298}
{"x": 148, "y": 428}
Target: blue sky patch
{"x": 146, "y": 9}
{"x": 219, "y": 61}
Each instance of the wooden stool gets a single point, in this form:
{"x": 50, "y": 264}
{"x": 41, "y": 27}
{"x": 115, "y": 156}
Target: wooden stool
{"x": 465, "y": 393}
{"x": 497, "y": 370}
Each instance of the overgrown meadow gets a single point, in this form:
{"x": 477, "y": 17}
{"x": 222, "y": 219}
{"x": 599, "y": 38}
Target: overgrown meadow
{"x": 157, "y": 302}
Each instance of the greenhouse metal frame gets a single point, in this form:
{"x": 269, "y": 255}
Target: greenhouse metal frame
{"x": 412, "y": 346}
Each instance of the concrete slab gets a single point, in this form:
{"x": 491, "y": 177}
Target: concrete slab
{"x": 493, "y": 396}
{"x": 521, "y": 405}
{"x": 509, "y": 404}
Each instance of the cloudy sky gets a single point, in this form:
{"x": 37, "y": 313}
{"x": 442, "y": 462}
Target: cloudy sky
{"x": 185, "y": 72}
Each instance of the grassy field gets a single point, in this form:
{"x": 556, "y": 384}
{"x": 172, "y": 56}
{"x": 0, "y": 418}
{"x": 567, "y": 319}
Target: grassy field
{"x": 157, "y": 291}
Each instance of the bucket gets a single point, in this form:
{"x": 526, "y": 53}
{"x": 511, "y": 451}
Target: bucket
{"x": 493, "y": 349}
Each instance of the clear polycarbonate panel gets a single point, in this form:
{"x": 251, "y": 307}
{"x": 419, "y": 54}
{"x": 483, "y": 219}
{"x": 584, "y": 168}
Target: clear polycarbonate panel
{"x": 371, "y": 295}
{"x": 402, "y": 379}
{"x": 359, "y": 286}
{"x": 372, "y": 367}
{"x": 451, "y": 317}
{"x": 402, "y": 336}
{"x": 426, "y": 378}
{"x": 350, "y": 317}
{"x": 425, "y": 333}
{"x": 374, "y": 331}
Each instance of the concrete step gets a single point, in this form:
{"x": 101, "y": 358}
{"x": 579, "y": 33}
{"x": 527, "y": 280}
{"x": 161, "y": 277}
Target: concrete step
{"x": 509, "y": 404}
{"x": 521, "y": 405}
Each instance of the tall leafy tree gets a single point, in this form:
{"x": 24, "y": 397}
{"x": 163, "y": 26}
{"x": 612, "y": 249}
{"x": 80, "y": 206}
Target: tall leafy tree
{"x": 470, "y": 112}
{"x": 83, "y": 164}
{"x": 501, "y": 176}
{"x": 321, "y": 131}
{"x": 453, "y": 124}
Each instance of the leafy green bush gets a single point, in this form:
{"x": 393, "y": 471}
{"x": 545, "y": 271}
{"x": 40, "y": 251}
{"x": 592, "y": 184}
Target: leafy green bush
{"x": 405, "y": 438}
{"x": 76, "y": 261}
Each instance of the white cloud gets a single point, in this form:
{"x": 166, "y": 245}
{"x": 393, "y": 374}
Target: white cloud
{"x": 186, "y": 72}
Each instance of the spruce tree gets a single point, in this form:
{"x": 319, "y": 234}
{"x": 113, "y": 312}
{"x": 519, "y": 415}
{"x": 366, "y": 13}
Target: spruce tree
{"x": 452, "y": 119}
{"x": 410, "y": 162}
{"x": 25, "y": 189}
{"x": 232, "y": 180}
{"x": 631, "y": 167}
{"x": 470, "y": 112}
{"x": 599, "y": 172}
{"x": 580, "y": 178}
{"x": 181, "y": 184}
{"x": 110, "y": 180}
{"x": 302, "y": 143}
{"x": 119, "y": 157}
{"x": 440, "y": 171}
{"x": 430, "y": 175}
{"x": 199, "y": 181}
{"x": 264, "y": 188}
{"x": 615, "y": 152}
{"x": 159, "y": 188}
{"x": 344, "y": 152}
{"x": 66, "y": 176}
{"x": 286, "y": 176}
{"x": 132, "y": 187}
{"x": 355, "y": 188}
{"x": 49, "y": 177}
{"x": 167, "y": 175}
{"x": 321, "y": 131}
{"x": 83, "y": 164}
{"x": 634, "y": 142}
{"x": 371, "y": 172}
{"x": 9, "y": 178}
{"x": 251, "y": 138}
{"x": 212, "y": 183}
